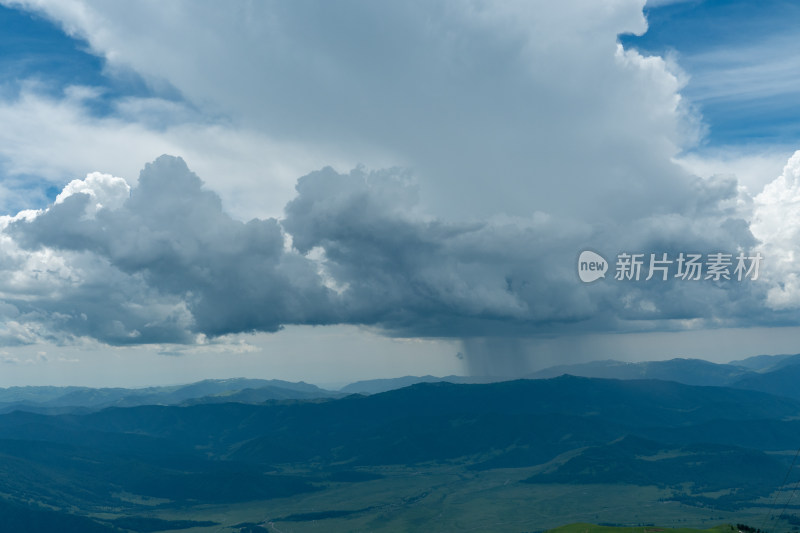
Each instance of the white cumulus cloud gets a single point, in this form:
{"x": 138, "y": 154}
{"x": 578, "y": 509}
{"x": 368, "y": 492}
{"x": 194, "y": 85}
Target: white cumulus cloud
{"x": 776, "y": 223}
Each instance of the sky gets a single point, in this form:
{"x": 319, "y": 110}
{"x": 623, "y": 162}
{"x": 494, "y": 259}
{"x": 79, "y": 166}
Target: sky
{"x": 334, "y": 191}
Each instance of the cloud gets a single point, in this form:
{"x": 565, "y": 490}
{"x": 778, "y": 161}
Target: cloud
{"x": 103, "y": 190}
{"x": 750, "y": 73}
{"x": 417, "y": 275}
{"x": 168, "y": 262}
{"x": 168, "y": 265}
{"x": 492, "y": 99}
{"x": 527, "y": 134}
{"x": 408, "y": 272}
{"x": 753, "y": 167}
{"x": 48, "y": 141}
{"x": 776, "y": 223}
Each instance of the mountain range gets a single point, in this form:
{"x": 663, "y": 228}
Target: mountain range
{"x": 776, "y": 374}
{"x": 773, "y": 374}
{"x": 215, "y": 456}
{"x": 55, "y": 400}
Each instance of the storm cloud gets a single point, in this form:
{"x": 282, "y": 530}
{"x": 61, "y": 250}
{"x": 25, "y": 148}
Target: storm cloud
{"x": 162, "y": 262}
{"x": 169, "y": 263}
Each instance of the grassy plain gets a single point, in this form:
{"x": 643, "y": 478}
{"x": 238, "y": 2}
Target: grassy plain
{"x": 452, "y": 499}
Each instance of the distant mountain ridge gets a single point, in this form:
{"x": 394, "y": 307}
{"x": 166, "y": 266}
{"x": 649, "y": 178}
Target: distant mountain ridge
{"x": 774, "y": 374}
{"x": 778, "y": 374}
{"x": 764, "y": 363}
{"x": 686, "y": 371}
{"x": 52, "y": 400}
{"x": 376, "y": 386}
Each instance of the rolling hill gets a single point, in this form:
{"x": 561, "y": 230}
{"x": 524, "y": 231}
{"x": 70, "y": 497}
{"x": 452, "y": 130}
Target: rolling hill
{"x": 712, "y": 449}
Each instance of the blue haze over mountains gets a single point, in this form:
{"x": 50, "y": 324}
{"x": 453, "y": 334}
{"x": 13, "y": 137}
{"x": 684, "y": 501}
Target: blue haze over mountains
{"x": 68, "y": 455}
{"x": 775, "y": 374}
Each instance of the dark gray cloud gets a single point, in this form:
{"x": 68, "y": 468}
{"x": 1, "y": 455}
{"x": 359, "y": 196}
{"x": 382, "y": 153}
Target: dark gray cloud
{"x": 171, "y": 242}
{"x": 509, "y": 276}
{"x": 421, "y": 276}
{"x": 168, "y": 263}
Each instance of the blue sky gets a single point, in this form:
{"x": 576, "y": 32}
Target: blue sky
{"x": 742, "y": 60}
{"x": 34, "y": 48}
{"x": 354, "y": 191}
